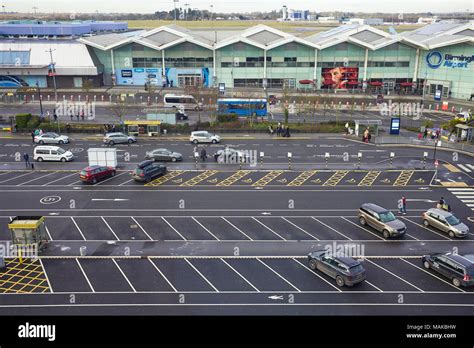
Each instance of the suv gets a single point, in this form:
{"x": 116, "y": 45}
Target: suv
{"x": 459, "y": 269}
{"x": 204, "y": 137}
{"x": 445, "y": 222}
{"x": 118, "y": 138}
{"x": 146, "y": 171}
{"x": 382, "y": 220}
{"x": 345, "y": 270}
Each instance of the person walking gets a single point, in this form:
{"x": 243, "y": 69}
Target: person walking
{"x": 270, "y": 129}
{"x": 279, "y": 129}
{"x": 33, "y": 136}
{"x": 26, "y": 157}
{"x": 404, "y": 205}
{"x": 78, "y": 115}
{"x": 283, "y": 131}
{"x": 400, "y": 206}
{"x": 287, "y": 131}
{"x": 203, "y": 155}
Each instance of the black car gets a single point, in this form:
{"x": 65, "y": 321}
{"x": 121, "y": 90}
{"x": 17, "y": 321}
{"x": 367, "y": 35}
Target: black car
{"x": 146, "y": 171}
{"x": 457, "y": 268}
{"x": 345, "y": 270}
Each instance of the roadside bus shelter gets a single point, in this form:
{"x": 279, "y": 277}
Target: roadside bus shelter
{"x": 28, "y": 231}
{"x": 141, "y": 127}
{"x": 464, "y": 132}
{"x": 373, "y": 124}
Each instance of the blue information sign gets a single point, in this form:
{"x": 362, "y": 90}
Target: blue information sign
{"x": 395, "y": 126}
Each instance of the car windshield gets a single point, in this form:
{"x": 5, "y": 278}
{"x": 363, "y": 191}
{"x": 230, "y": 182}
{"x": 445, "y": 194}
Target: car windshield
{"x": 452, "y": 220}
{"x": 83, "y": 172}
{"x": 387, "y": 216}
{"x": 61, "y": 151}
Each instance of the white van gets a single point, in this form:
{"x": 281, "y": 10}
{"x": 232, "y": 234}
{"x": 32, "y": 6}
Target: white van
{"x": 52, "y": 153}
{"x": 188, "y": 102}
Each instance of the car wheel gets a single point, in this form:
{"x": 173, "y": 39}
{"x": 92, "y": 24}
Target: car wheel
{"x": 173, "y": 159}
{"x": 195, "y": 141}
{"x": 362, "y": 221}
{"x": 451, "y": 234}
{"x": 339, "y": 281}
{"x": 426, "y": 223}
{"x": 63, "y": 160}
{"x": 456, "y": 282}
{"x": 313, "y": 264}
{"x": 214, "y": 141}
{"x": 60, "y": 142}
{"x": 426, "y": 264}
{"x": 94, "y": 181}
{"x": 130, "y": 141}
{"x": 111, "y": 143}
{"x": 41, "y": 142}
{"x": 40, "y": 159}
{"x": 386, "y": 234}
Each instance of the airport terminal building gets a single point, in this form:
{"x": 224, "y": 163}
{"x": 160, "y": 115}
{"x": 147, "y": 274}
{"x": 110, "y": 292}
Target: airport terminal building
{"x": 439, "y": 56}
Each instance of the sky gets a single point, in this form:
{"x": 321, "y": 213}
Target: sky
{"x": 149, "y": 6}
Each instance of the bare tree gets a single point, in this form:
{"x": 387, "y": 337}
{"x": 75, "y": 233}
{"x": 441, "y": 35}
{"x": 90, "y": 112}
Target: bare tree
{"x": 119, "y": 108}
{"x": 197, "y": 92}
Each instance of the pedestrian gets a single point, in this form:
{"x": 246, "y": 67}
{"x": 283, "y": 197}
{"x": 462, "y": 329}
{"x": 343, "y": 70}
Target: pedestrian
{"x": 78, "y": 115}
{"x": 82, "y": 115}
{"x": 71, "y": 115}
{"x": 404, "y": 205}
{"x": 68, "y": 127}
{"x": 287, "y": 131}
{"x": 55, "y": 116}
{"x": 203, "y": 155}
{"x": 347, "y": 128}
{"x": 41, "y": 132}
{"x": 400, "y": 206}
{"x": 33, "y": 136}
{"x": 48, "y": 115}
{"x": 113, "y": 128}
{"x": 26, "y": 157}
{"x": 425, "y": 134}
{"x": 369, "y": 136}
{"x": 283, "y": 131}
{"x": 195, "y": 150}
{"x": 270, "y": 129}
{"x": 279, "y": 129}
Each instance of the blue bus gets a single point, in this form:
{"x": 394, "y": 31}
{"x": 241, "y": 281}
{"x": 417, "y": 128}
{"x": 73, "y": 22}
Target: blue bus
{"x": 242, "y": 107}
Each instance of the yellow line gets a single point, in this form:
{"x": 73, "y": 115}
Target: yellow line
{"x": 268, "y": 178}
{"x": 336, "y": 178}
{"x": 452, "y": 168}
{"x": 165, "y": 178}
{"x": 369, "y": 178}
{"x": 404, "y": 178}
{"x": 454, "y": 184}
{"x": 302, "y": 178}
{"x": 199, "y": 178}
{"x": 234, "y": 178}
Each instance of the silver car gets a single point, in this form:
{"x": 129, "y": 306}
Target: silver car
{"x": 382, "y": 220}
{"x": 51, "y": 138}
{"x": 118, "y": 138}
{"x": 446, "y": 222}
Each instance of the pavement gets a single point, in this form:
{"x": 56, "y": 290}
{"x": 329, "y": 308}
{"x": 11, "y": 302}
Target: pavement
{"x": 225, "y": 240}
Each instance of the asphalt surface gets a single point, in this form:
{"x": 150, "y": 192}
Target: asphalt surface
{"x": 220, "y": 240}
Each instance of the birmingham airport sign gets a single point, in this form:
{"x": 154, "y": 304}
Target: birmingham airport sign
{"x": 435, "y": 59}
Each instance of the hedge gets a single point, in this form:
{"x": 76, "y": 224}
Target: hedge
{"x": 22, "y": 120}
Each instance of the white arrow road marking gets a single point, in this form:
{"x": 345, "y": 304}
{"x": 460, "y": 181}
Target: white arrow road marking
{"x": 276, "y": 297}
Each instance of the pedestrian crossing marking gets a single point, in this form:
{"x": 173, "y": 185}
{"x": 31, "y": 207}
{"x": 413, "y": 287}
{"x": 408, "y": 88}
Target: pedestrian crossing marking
{"x": 404, "y": 178}
{"x": 302, "y": 178}
{"x": 201, "y": 177}
{"x": 336, "y": 178}
{"x": 234, "y": 178}
{"x": 369, "y": 178}
{"x": 452, "y": 168}
{"x": 466, "y": 169}
{"x": 268, "y": 178}
{"x": 465, "y": 195}
{"x": 165, "y": 178}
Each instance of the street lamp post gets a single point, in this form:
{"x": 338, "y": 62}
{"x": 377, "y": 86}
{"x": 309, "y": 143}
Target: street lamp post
{"x": 175, "y": 1}
{"x": 40, "y": 101}
{"x": 53, "y": 74}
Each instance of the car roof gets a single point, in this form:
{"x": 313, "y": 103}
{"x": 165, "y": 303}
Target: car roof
{"x": 460, "y": 259}
{"x": 348, "y": 261}
{"x": 440, "y": 212}
{"x": 48, "y": 147}
{"x": 94, "y": 167}
{"x": 114, "y": 133}
{"x": 145, "y": 163}
{"x": 376, "y": 208}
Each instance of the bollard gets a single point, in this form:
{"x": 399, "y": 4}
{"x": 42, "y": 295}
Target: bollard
{"x": 149, "y": 101}
{"x": 71, "y": 97}
{"x": 83, "y": 250}
{"x": 102, "y": 97}
{"x": 261, "y": 159}
{"x": 241, "y": 159}
{"x": 49, "y": 97}
{"x": 359, "y": 157}
{"x": 289, "y": 160}
{"x": 326, "y": 156}
{"x": 425, "y": 155}
{"x": 196, "y": 156}
{"x": 392, "y": 155}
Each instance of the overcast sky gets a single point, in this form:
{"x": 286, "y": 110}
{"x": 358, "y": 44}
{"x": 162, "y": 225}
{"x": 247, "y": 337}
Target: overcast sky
{"x": 147, "y": 6}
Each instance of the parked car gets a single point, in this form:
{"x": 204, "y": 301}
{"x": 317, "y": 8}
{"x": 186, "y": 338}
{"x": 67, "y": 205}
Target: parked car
{"x": 51, "y": 138}
{"x": 181, "y": 115}
{"x": 204, "y": 137}
{"x": 382, "y": 220}
{"x": 345, "y": 270}
{"x": 457, "y": 268}
{"x": 94, "y": 174}
{"x": 52, "y": 153}
{"x": 119, "y": 138}
{"x": 446, "y": 222}
{"x": 163, "y": 155}
{"x": 146, "y": 171}
{"x": 230, "y": 155}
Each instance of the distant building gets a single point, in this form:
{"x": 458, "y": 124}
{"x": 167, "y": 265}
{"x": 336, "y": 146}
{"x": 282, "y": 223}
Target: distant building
{"x": 428, "y": 20}
{"x": 295, "y": 15}
{"x": 327, "y": 20}
{"x": 363, "y": 21}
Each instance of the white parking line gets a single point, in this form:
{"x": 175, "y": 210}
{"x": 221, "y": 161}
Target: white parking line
{"x": 74, "y": 183}
{"x": 322, "y": 223}
{"x": 421, "y": 269}
{"x": 424, "y": 227}
{"x": 16, "y": 177}
{"x": 64, "y": 177}
{"x": 302, "y": 230}
{"x": 46, "y": 276}
{"x": 174, "y": 229}
{"x": 204, "y": 228}
{"x": 126, "y": 182}
{"x": 373, "y": 285}
{"x": 362, "y": 228}
{"x": 110, "y": 228}
{"x": 128, "y": 281}
{"x": 47, "y": 231}
{"x": 113, "y": 177}
{"x": 143, "y": 230}
{"x": 42, "y": 176}
{"x": 278, "y": 274}
{"x": 85, "y": 275}
{"x": 241, "y": 276}
{"x": 238, "y": 229}
{"x": 393, "y": 274}
{"x": 316, "y": 274}
{"x": 208, "y": 282}
{"x": 75, "y": 224}
{"x": 268, "y": 228}
{"x": 164, "y": 277}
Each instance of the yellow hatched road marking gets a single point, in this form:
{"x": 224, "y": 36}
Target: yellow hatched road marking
{"x": 454, "y": 184}
{"x": 33, "y": 271}
{"x": 452, "y": 168}
{"x": 369, "y": 178}
{"x": 199, "y": 178}
{"x": 165, "y": 178}
{"x": 302, "y": 178}
{"x": 234, "y": 178}
{"x": 268, "y": 178}
{"x": 404, "y": 178}
{"x": 336, "y": 178}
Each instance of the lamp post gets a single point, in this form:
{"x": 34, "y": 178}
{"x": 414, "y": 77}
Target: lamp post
{"x": 175, "y": 1}
{"x": 39, "y": 97}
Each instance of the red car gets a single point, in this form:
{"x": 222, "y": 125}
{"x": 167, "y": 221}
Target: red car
{"x": 94, "y": 174}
